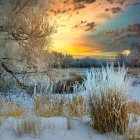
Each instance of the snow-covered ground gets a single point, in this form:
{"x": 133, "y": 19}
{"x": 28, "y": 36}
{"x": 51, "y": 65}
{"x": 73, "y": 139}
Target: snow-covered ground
{"x": 56, "y": 129}
{"x": 23, "y": 99}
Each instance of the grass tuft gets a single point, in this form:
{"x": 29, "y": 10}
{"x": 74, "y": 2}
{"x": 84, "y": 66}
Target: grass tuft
{"x": 109, "y": 91}
{"x": 49, "y": 107}
{"x": 109, "y": 112}
{"x": 28, "y": 126}
{"x": 9, "y": 109}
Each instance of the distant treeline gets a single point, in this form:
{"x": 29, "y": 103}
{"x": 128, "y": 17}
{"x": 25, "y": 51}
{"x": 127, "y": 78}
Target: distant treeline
{"x": 85, "y": 63}
{"x": 67, "y": 61}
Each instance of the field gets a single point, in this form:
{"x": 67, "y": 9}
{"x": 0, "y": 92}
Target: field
{"x": 79, "y": 112}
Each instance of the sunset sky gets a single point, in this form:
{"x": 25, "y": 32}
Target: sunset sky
{"x": 95, "y": 28}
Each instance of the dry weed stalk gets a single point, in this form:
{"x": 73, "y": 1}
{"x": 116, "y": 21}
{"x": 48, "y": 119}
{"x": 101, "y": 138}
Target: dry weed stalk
{"x": 109, "y": 112}
{"x": 48, "y": 107}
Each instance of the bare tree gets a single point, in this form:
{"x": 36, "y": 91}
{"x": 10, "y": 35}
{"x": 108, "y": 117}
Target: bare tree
{"x": 25, "y": 31}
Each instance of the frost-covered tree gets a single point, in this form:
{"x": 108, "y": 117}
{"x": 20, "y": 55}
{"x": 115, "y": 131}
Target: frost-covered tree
{"x": 131, "y": 59}
{"x": 135, "y": 56}
{"x": 24, "y": 32}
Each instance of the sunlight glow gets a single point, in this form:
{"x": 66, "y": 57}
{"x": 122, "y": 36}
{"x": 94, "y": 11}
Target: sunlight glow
{"x": 126, "y": 52}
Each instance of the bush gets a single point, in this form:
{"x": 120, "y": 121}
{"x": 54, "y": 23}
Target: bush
{"x": 109, "y": 91}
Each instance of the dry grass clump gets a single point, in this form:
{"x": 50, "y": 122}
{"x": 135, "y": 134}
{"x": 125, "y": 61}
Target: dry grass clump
{"x": 134, "y": 107}
{"x": 28, "y": 126}
{"x": 9, "y": 109}
{"x": 48, "y": 107}
{"x": 109, "y": 91}
{"x": 109, "y": 112}
{"x": 77, "y": 107}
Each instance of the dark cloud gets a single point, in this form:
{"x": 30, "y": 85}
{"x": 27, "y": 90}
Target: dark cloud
{"x": 90, "y": 26}
{"x": 121, "y": 2}
{"x": 86, "y": 26}
{"x": 106, "y": 9}
{"x": 60, "y": 11}
{"x": 79, "y": 6}
{"x": 116, "y": 10}
{"x": 75, "y": 5}
{"x": 130, "y": 33}
{"x": 130, "y": 30}
{"x": 113, "y": 32}
{"x": 85, "y": 1}
{"x": 135, "y": 29}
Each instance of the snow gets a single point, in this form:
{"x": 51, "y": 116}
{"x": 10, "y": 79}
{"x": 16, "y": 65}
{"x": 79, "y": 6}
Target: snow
{"x": 136, "y": 93}
{"x": 20, "y": 98}
{"x": 58, "y": 131}
{"x": 55, "y": 128}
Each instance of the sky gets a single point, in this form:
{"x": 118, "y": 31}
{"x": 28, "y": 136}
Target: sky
{"x": 94, "y": 28}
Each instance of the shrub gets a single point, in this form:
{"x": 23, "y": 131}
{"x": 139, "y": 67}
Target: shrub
{"x": 109, "y": 91}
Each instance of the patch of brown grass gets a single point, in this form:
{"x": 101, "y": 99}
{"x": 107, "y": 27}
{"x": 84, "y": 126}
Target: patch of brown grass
{"x": 48, "y": 107}
{"x": 134, "y": 107}
{"x": 9, "y": 109}
{"x": 77, "y": 107}
{"x": 109, "y": 112}
{"x": 28, "y": 126}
